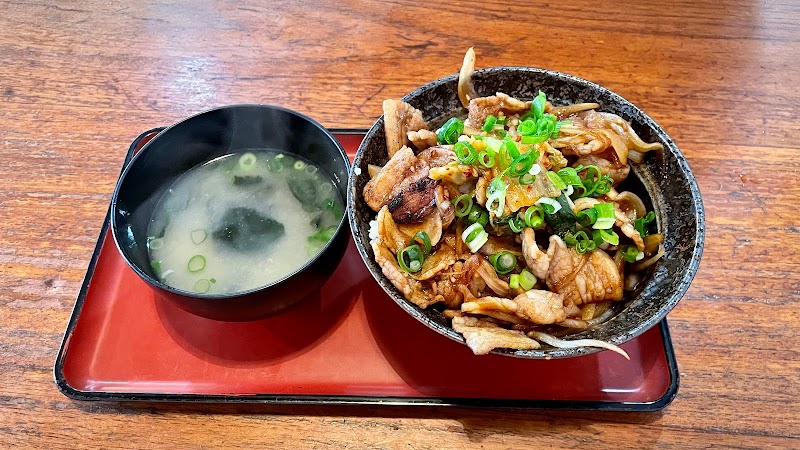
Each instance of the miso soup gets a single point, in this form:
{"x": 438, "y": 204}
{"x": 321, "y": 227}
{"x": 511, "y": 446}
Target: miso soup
{"x": 242, "y": 221}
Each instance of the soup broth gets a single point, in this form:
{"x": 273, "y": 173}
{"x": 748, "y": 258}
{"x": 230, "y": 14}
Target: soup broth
{"x": 242, "y": 221}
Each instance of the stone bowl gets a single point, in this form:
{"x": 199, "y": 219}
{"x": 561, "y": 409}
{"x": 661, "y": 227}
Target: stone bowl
{"x": 663, "y": 180}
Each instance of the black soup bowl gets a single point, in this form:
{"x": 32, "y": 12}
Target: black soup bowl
{"x": 202, "y": 138}
{"x": 663, "y": 180}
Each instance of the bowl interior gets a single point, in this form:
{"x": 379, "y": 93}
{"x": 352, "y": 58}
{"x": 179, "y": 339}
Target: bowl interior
{"x": 664, "y": 177}
{"x": 197, "y": 140}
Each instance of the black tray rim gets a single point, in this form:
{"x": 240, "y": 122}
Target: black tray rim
{"x": 343, "y": 400}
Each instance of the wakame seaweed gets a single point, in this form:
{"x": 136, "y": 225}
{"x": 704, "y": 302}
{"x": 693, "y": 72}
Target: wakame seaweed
{"x": 246, "y": 180}
{"x": 304, "y": 190}
{"x": 245, "y": 229}
{"x": 562, "y": 221}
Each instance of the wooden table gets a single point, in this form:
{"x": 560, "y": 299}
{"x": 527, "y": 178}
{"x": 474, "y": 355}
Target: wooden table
{"x": 79, "y": 80}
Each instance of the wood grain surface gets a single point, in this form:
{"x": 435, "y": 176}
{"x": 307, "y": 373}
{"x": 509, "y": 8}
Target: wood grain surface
{"x": 80, "y": 79}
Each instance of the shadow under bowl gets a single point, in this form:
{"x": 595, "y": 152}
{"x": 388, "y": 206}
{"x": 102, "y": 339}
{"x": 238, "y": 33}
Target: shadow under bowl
{"x": 663, "y": 180}
{"x": 202, "y": 138}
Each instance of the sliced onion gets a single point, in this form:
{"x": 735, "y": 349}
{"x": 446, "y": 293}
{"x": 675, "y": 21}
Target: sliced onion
{"x": 584, "y": 324}
{"x": 652, "y": 242}
{"x": 574, "y": 323}
{"x": 619, "y": 145}
{"x": 602, "y": 317}
{"x": 637, "y": 143}
{"x": 569, "y": 200}
{"x": 645, "y": 263}
{"x": 578, "y": 343}
{"x": 635, "y": 156}
{"x": 585, "y": 203}
{"x": 631, "y": 280}
{"x": 466, "y": 91}
{"x": 634, "y": 201}
{"x": 562, "y": 111}
{"x": 550, "y": 201}
{"x": 619, "y": 261}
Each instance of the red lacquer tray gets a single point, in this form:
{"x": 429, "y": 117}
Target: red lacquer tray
{"x": 350, "y": 344}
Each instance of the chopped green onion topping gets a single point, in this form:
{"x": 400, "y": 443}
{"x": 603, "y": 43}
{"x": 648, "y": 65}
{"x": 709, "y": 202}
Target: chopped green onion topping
{"x": 548, "y": 126}
{"x": 489, "y": 124}
{"x": 536, "y": 125}
{"x": 493, "y": 144}
{"x": 503, "y": 262}
{"x": 538, "y": 104}
{"x": 631, "y": 254}
{"x": 474, "y": 233}
{"x": 556, "y": 180}
{"x": 527, "y": 127}
{"x": 465, "y": 152}
{"x": 527, "y": 179}
{"x": 550, "y": 205}
{"x": 534, "y": 217}
{"x": 450, "y": 131}
{"x": 496, "y": 196}
{"x": 605, "y": 216}
{"x": 533, "y": 139}
{"x": 511, "y": 148}
{"x": 199, "y": 235}
{"x": 606, "y": 236}
{"x": 156, "y": 265}
{"x": 247, "y": 161}
{"x": 202, "y": 286}
{"x": 513, "y": 281}
{"x": 299, "y": 165}
{"x": 587, "y": 217}
{"x": 516, "y": 224}
{"x": 213, "y": 280}
{"x": 486, "y": 159}
{"x": 411, "y": 258}
{"x": 462, "y": 205}
{"x": 196, "y": 263}
{"x": 422, "y": 237}
{"x": 570, "y": 177}
{"x": 521, "y": 164}
{"x": 642, "y": 224}
{"x": 527, "y": 280}
{"x": 594, "y": 182}
{"x": 581, "y": 241}
{"x": 318, "y": 240}
{"x": 474, "y": 236}
{"x": 154, "y": 243}
{"x": 496, "y": 204}
{"x": 324, "y": 235}
{"x": 275, "y": 165}
{"x": 478, "y": 215}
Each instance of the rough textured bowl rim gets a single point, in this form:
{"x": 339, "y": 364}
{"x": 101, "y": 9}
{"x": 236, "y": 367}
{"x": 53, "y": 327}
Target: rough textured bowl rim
{"x": 548, "y": 353}
{"x": 152, "y": 281}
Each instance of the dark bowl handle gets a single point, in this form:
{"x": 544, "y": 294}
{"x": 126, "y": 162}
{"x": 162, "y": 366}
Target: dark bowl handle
{"x": 143, "y": 139}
